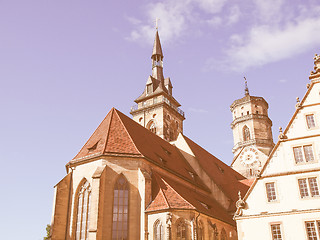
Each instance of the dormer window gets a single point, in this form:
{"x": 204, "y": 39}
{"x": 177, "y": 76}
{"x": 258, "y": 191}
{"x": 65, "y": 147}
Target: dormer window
{"x": 149, "y": 89}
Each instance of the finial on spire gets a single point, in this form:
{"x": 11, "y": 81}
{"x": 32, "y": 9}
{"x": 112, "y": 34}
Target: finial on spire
{"x": 246, "y": 89}
{"x": 157, "y": 21}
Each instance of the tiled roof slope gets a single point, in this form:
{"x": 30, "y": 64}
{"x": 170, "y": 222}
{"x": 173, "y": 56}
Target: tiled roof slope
{"x": 119, "y": 134}
{"x": 229, "y": 181}
{"x": 173, "y": 195}
{"x": 110, "y": 137}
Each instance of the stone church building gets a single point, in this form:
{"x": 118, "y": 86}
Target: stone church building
{"x": 142, "y": 178}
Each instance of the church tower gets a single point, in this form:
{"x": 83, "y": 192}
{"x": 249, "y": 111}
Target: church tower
{"x": 157, "y": 109}
{"x": 252, "y": 134}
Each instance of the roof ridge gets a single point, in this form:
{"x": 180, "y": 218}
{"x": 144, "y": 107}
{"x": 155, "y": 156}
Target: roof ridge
{"x": 124, "y": 126}
{"x": 108, "y": 132}
{"x": 96, "y": 130}
{"x": 168, "y": 185}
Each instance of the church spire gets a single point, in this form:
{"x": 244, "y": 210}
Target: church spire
{"x": 157, "y": 59}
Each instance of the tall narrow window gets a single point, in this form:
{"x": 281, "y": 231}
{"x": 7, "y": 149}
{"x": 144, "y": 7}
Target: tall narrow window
{"x": 83, "y": 212}
{"x": 200, "y": 231}
{"x": 152, "y": 126}
{"x": 120, "y": 209}
{"x": 214, "y": 232}
{"x": 313, "y": 230}
{"x": 310, "y": 121}
{"x": 246, "y": 133}
{"x": 158, "y": 231}
{"x": 271, "y": 192}
{"x": 303, "y": 154}
{"x": 276, "y": 232}
{"x": 223, "y": 235}
{"x": 308, "y": 187}
{"x": 181, "y": 231}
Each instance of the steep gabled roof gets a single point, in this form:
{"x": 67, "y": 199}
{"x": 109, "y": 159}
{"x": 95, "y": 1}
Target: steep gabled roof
{"x": 174, "y": 195}
{"x": 119, "y": 134}
{"x": 111, "y": 136}
{"x": 229, "y": 181}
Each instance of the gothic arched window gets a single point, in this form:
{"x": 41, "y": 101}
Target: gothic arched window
{"x": 120, "y": 209}
{"x": 181, "y": 231}
{"x": 223, "y": 235}
{"x": 200, "y": 231}
{"x": 246, "y": 133}
{"x": 158, "y": 230}
{"x": 214, "y": 232}
{"x": 152, "y": 126}
{"x": 83, "y": 211}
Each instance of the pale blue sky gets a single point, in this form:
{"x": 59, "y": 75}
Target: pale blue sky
{"x": 65, "y": 64}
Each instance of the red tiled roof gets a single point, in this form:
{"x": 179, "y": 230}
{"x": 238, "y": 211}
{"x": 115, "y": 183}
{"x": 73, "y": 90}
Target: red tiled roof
{"x": 224, "y": 176}
{"x": 173, "y": 195}
{"x": 119, "y": 134}
{"x": 110, "y": 137}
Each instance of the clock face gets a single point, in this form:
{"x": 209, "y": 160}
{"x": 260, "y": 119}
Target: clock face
{"x": 249, "y": 156}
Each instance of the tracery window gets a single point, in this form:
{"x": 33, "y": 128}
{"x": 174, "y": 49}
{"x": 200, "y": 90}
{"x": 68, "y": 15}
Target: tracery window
{"x": 223, "y": 235}
{"x": 214, "y": 232}
{"x": 158, "y": 231}
{"x": 83, "y": 211}
{"x": 246, "y": 133}
{"x": 152, "y": 126}
{"x": 181, "y": 231}
{"x": 120, "y": 209}
{"x": 200, "y": 231}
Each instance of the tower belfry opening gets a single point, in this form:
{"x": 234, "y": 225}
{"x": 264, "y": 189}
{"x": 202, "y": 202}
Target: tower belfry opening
{"x": 156, "y": 108}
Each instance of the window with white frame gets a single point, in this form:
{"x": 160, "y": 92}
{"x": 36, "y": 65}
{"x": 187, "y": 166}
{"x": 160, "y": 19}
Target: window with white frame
{"x": 271, "y": 192}
{"x": 276, "y": 231}
{"x": 310, "y": 121}
{"x": 303, "y": 154}
{"x": 313, "y": 229}
{"x": 308, "y": 187}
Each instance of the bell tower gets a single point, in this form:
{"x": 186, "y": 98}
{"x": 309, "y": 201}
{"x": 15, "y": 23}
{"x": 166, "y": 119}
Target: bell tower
{"x": 157, "y": 109}
{"x": 252, "y": 134}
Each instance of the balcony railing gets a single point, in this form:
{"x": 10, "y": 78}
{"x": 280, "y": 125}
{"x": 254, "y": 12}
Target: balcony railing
{"x": 155, "y": 101}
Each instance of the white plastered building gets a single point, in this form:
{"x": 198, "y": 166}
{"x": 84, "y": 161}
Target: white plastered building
{"x": 284, "y": 201}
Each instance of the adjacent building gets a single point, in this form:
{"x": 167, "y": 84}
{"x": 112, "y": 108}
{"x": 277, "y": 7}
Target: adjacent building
{"x": 284, "y": 200}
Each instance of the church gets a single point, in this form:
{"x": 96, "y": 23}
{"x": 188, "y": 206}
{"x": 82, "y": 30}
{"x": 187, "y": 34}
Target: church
{"x": 142, "y": 178}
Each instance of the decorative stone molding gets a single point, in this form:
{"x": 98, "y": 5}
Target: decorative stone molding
{"x": 281, "y": 136}
{"x": 316, "y": 65}
{"x": 240, "y": 204}
{"x": 298, "y": 104}
{"x": 169, "y": 223}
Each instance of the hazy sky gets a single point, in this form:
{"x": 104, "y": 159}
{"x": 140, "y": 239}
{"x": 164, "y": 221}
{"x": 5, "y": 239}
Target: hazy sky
{"x": 64, "y": 64}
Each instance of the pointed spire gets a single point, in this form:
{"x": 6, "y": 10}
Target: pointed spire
{"x": 157, "y": 50}
{"x": 246, "y": 89}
